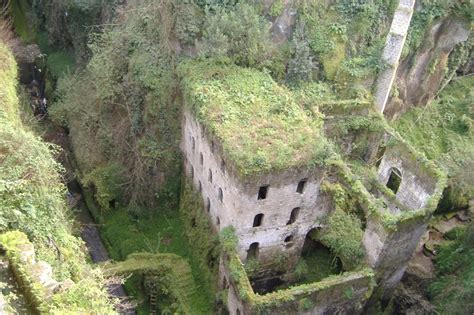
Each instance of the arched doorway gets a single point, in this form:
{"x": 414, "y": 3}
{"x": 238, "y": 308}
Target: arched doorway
{"x": 318, "y": 258}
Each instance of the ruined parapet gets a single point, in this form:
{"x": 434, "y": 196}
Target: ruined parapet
{"x": 409, "y": 187}
{"x": 35, "y": 277}
{"x": 392, "y": 51}
{"x": 345, "y": 292}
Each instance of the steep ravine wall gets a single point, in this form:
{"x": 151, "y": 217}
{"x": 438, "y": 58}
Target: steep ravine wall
{"x": 421, "y": 73}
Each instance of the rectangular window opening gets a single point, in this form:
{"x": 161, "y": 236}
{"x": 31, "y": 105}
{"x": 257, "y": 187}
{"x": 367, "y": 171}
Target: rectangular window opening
{"x": 262, "y": 192}
{"x": 301, "y": 186}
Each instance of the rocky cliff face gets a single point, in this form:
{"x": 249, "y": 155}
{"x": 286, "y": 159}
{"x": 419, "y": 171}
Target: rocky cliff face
{"x": 422, "y": 73}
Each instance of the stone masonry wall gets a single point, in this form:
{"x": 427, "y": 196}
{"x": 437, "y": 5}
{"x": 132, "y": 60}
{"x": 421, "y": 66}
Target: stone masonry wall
{"x": 345, "y": 295}
{"x": 239, "y": 205}
{"x": 416, "y": 185}
{"x": 393, "y": 50}
{"x": 388, "y": 252}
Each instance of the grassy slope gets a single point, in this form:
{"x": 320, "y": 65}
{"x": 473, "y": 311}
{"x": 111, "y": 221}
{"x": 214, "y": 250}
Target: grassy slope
{"x": 32, "y": 199}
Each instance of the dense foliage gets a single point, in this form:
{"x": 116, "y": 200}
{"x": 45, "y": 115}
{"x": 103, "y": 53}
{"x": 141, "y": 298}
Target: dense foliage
{"x": 453, "y": 289}
{"x": 126, "y": 101}
{"x": 32, "y": 200}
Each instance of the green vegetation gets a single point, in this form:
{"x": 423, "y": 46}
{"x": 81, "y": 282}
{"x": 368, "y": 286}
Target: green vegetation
{"x": 346, "y": 40}
{"x": 20, "y": 12}
{"x": 238, "y": 32}
{"x": 106, "y": 183}
{"x": 277, "y": 8}
{"x": 258, "y": 123}
{"x": 444, "y": 132}
{"x": 166, "y": 232}
{"x": 344, "y": 236}
{"x": 32, "y": 200}
{"x": 316, "y": 265}
{"x": 168, "y": 277}
{"x": 124, "y": 110}
{"x": 429, "y": 12}
{"x": 453, "y": 289}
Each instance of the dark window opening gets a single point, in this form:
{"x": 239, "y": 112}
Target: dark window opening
{"x": 293, "y": 216}
{"x": 112, "y": 203}
{"x": 223, "y": 166}
{"x": 221, "y": 195}
{"x": 252, "y": 253}
{"x": 394, "y": 180}
{"x": 208, "y": 205}
{"x": 218, "y": 221}
{"x": 200, "y": 186}
{"x": 289, "y": 238}
{"x": 201, "y": 158}
{"x": 238, "y": 312}
{"x": 194, "y": 143}
{"x": 210, "y": 176}
{"x": 301, "y": 185}
{"x": 262, "y": 192}
{"x": 257, "y": 221}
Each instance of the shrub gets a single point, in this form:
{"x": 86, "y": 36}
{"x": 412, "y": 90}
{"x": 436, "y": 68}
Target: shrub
{"x": 238, "y": 32}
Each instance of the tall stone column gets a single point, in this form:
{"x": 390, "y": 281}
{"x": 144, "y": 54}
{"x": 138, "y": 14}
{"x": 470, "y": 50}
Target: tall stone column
{"x": 392, "y": 51}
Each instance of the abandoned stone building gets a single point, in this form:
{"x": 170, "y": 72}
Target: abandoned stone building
{"x": 271, "y": 213}
{"x": 274, "y": 208}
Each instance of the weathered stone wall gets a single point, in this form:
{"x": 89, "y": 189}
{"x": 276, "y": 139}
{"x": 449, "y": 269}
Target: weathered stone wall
{"x": 344, "y": 295}
{"x": 416, "y": 186}
{"x": 240, "y": 204}
{"x": 393, "y": 50}
{"x": 388, "y": 251}
{"x": 389, "y": 247}
{"x": 420, "y": 74}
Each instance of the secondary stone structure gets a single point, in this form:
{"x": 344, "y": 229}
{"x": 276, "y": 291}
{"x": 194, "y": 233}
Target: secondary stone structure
{"x": 270, "y": 182}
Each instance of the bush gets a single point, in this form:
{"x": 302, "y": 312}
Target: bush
{"x": 343, "y": 235}
{"x": 239, "y": 33}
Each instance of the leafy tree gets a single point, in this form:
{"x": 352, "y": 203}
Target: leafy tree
{"x": 301, "y": 67}
{"x": 237, "y": 32}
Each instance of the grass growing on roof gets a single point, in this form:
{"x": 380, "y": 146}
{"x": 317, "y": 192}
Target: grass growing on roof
{"x": 258, "y": 122}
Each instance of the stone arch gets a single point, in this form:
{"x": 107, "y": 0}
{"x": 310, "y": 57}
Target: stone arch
{"x": 316, "y": 253}
{"x": 253, "y": 251}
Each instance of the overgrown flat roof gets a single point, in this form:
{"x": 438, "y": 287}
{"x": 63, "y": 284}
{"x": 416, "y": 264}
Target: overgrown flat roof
{"x": 257, "y": 121}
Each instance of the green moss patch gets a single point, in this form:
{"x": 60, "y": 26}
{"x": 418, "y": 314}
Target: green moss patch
{"x": 166, "y": 276}
{"x": 260, "y": 126}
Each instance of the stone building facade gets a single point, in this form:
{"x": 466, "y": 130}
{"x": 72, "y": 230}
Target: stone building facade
{"x": 271, "y": 213}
